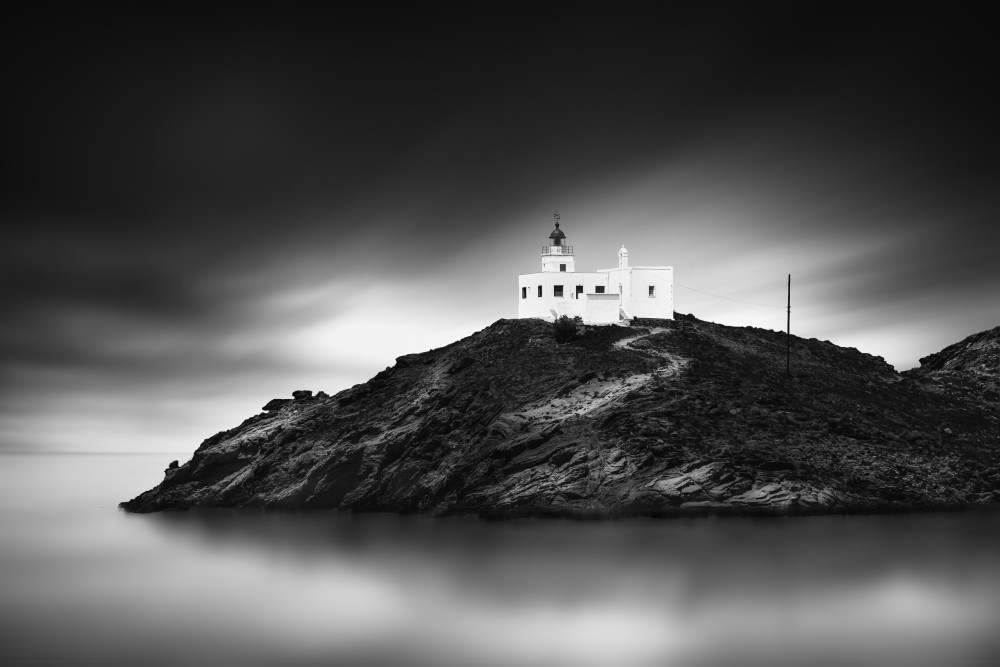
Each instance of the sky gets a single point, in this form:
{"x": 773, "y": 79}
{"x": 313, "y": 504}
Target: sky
{"x": 207, "y": 209}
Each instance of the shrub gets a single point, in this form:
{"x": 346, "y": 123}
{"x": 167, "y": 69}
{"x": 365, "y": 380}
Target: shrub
{"x": 565, "y": 329}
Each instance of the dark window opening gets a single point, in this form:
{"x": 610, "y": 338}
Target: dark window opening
{"x": 557, "y": 290}
{"x": 599, "y": 289}
{"x": 524, "y": 292}
{"x": 579, "y": 291}
{"x": 539, "y": 291}
{"x": 652, "y": 291}
{"x": 562, "y": 267}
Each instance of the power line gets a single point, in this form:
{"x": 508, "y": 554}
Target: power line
{"x": 728, "y": 298}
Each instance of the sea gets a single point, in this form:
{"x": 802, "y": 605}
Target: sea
{"x": 84, "y": 583}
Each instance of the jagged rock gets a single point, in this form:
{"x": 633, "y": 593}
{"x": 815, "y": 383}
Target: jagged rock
{"x": 276, "y": 404}
{"x": 666, "y": 417}
{"x": 409, "y": 359}
{"x": 461, "y": 365}
{"x": 769, "y": 495}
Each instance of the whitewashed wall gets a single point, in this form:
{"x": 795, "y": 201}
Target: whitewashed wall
{"x": 601, "y": 309}
{"x": 625, "y": 288}
{"x": 552, "y": 262}
{"x": 661, "y": 305}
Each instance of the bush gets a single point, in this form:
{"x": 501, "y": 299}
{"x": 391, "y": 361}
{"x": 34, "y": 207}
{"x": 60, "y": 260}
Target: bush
{"x": 565, "y": 329}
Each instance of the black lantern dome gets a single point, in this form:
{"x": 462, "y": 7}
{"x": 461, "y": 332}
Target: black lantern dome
{"x": 557, "y": 235}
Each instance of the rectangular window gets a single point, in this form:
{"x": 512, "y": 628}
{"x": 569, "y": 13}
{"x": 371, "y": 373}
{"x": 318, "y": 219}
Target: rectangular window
{"x": 539, "y": 291}
{"x": 562, "y": 267}
{"x": 579, "y": 291}
{"x": 652, "y": 291}
{"x": 557, "y": 290}
{"x": 524, "y": 292}
{"x": 599, "y": 289}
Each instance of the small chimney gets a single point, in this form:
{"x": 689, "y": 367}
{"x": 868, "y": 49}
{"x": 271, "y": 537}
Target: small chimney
{"x": 623, "y": 258}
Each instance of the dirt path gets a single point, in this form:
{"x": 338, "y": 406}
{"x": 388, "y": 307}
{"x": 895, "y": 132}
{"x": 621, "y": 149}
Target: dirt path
{"x": 591, "y": 397}
{"x": 673, "y": 363}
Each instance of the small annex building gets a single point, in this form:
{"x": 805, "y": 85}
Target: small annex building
{"x": 607, "y": 296}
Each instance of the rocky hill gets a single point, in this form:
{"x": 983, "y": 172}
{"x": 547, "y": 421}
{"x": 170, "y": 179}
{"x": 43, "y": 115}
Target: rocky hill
{"x": 661, "y": 418}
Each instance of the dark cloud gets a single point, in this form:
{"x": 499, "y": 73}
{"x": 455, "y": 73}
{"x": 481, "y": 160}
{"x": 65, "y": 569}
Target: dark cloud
{"x": 216, "y": 196}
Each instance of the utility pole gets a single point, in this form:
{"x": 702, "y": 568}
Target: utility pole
{"x": 788, "y": 331}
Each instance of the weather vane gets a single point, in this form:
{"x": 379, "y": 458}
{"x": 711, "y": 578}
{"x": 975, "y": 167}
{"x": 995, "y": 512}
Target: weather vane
{"x": 556, "y": 216}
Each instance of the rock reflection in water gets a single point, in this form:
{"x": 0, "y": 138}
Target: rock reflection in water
{"x": 84, "y": 583}
{"x": 919, "y": 589}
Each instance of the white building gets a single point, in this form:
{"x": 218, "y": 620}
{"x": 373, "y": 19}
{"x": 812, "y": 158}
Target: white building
{"x": 605, "y": 297}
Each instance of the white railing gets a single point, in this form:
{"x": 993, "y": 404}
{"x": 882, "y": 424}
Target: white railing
{"x": 557, "y": 250}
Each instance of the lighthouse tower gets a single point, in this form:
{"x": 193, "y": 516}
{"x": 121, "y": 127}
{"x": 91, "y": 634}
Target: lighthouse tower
{"x": 557, "y": 256}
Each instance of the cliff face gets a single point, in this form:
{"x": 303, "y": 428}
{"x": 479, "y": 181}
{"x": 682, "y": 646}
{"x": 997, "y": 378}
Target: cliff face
{"x": 665, "y": 417}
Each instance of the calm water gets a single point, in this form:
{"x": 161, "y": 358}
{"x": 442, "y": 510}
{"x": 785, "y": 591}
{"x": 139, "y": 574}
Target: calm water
{"x": 84, "y": 583}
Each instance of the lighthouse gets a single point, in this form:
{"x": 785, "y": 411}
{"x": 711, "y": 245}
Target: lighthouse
{"x": 606, "y": 296}
{"x": 557, "y": 256}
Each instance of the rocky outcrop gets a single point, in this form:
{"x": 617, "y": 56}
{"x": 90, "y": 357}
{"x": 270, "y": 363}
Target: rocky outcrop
{"x": 276, "y": 404}
{"x": 660, "y": 418}
{"x": 969, "y": 368}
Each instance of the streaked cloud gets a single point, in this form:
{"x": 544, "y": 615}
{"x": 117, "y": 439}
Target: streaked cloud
{"x": 208, "y": 214}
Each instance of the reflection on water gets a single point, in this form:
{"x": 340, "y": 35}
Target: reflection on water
{"x": 84, "y": 582}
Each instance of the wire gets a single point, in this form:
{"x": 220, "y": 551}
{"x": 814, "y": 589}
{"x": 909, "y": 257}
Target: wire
{"x": 727, "y": 298}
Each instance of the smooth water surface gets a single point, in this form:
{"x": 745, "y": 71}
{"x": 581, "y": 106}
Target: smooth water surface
{"x": 85, "y": 583}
